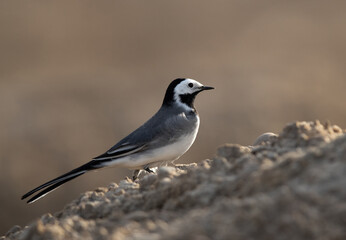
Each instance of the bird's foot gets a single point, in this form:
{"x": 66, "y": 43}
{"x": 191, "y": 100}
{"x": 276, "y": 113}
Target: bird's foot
{"x": 135, "y": 174}
{"x": 137, "y": 171}
{"x": 148, "y": 170}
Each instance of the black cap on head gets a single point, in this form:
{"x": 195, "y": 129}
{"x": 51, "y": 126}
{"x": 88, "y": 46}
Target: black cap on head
{"x": 169, "y": 96}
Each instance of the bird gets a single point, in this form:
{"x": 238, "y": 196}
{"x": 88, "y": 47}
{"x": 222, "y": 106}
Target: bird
{"x": 165, "y": 137}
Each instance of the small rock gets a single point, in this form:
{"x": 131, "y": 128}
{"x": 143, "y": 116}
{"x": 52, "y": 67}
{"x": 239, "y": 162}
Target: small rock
{"x": 14, "y": 230}
{"x": 264, "y": 138}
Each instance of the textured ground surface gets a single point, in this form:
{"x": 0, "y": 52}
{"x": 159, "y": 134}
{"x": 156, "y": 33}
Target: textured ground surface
{"x": 290, "y": 186}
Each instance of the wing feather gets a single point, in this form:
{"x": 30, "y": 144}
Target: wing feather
{"x": 120, "y": 151}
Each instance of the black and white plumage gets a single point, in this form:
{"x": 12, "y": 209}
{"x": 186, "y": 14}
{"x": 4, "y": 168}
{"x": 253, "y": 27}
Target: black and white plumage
{"x": 163, "y": 138}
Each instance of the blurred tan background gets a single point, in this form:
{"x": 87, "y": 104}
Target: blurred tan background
{"x": 77, "y": 76}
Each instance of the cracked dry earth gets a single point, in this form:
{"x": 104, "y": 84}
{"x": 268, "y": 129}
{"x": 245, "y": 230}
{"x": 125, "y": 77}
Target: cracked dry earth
{"x": 287, "y": 186}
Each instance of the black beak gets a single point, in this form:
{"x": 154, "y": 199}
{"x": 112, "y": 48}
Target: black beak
{"x": 206, "y": 88}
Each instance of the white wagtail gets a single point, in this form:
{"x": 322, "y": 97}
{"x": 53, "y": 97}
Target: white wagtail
{"x": 164, "y": 137}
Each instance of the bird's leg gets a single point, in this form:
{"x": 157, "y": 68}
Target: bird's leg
{"x": 146, "y": 168}
{"x": 135, "y": 174}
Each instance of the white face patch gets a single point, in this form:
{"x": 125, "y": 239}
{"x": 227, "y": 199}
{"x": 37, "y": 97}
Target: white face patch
{"x": 188, "y": 86}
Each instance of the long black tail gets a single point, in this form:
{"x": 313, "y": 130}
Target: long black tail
{"x": 56, "y": 182}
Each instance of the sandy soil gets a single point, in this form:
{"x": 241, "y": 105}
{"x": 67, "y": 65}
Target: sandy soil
{"x": 287, "y": 186}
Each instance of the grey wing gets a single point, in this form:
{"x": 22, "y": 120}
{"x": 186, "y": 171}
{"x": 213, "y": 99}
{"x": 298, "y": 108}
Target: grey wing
{"x": 139, "y": 140}
{"x": 154, "y": 133}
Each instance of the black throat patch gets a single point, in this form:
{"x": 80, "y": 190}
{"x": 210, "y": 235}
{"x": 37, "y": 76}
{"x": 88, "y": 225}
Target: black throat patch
{"x": 188, "y": 99}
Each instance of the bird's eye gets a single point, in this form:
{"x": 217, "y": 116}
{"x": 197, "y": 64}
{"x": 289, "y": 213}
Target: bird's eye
{"x": 190, "y": 85}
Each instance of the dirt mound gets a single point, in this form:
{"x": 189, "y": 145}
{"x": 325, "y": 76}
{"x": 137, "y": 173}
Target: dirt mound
{"x": 288, "y": 186}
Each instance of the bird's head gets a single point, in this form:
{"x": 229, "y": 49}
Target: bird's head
{"x": 182, "y": 91}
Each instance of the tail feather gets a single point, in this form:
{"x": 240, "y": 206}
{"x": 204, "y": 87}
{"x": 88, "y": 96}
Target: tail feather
{"x": 52, "y": 188}
{"x": 56, "y": 182}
